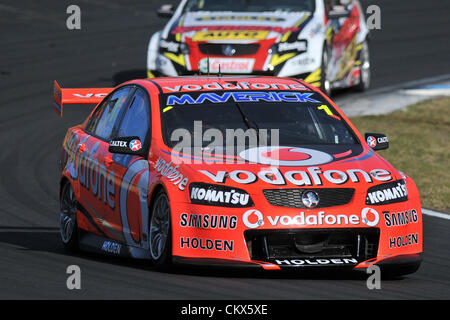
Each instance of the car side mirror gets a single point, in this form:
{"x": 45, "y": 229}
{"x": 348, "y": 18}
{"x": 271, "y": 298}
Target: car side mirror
{"x": 127, "y": 145}
{"x": 165, "y": 11}
{"x": 377, "y": 141}
{"x": 337, "y": 13}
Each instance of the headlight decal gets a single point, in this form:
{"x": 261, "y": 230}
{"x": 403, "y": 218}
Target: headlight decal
{"x": 387, "y": 193}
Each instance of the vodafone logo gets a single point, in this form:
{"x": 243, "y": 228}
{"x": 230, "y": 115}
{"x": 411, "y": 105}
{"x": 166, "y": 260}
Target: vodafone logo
{"x": 286, "y": 156}
{"x": 370, "y": 217}
{"x": 253, "y": 219}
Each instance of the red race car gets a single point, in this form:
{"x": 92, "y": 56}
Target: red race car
{"x": 233, "y": 171}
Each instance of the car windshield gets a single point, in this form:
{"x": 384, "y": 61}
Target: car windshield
{"x": 246, "y": 119}
{"x": 250, "y": 5}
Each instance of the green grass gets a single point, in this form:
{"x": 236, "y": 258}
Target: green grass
{"x": 419, "y": 145}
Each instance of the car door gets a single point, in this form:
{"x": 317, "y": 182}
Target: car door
{"x": 98, "y": 193}
{"x": 133, "y": 171}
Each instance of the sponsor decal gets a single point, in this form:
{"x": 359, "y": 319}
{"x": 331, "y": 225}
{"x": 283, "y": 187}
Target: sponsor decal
{"x": 370, "y": 217}
{"x": 169, "y": 45}
{"x": 216, "y": 195}
{"x": 92, "y": 175}
{"x": 304, "y": 61}
{"x": 387, "y": 193}
{"x": 240, "y": 18}
{"x": 208, "y": 221}
{"x": 239, "y": 85}
{"x": 230, "y": 35}
{"x": 309, "y": 262}
{"x": 286, "y": 156}
{"x": 403, "y": 241}
{"x": 371, "y": 141}
{"x": 254, "y": 219}
{"x": 167, "y": 170}
{"x": 111, "y": 247}
{"x": 253, "y": 96}
{"x": 135, "y": 145}
{"x": 309, "y": 177}
{"x": 288, "y": 46}
{"x": 118, "y": 143}
{"x": 402, "y": 218}
{"x": 90, "y": 95}
{"x": 206, "y": 244}
{"x": 186, "y": 29}
{"x": 227, "y": 65}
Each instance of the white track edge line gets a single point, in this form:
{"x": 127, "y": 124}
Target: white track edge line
{"x": 436, "y": 214}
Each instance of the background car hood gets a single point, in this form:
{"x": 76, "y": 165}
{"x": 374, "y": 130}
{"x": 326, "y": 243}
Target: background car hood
{"x": 273, "y": 22}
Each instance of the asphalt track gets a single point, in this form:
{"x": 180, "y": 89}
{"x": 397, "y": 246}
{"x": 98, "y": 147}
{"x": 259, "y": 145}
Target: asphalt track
{"x": 37, "y": 48}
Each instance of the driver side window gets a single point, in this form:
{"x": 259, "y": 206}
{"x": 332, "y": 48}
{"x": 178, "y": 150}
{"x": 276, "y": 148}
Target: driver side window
{"x": 107, "y": 114}
{"x": 136, "y": 121}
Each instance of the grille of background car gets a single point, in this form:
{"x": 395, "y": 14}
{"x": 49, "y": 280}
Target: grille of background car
{"x": 217, "y": 49}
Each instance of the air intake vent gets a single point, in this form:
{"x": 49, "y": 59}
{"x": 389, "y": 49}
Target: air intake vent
{"x": 292, "y": 198}
{"x": 267, "y": 245}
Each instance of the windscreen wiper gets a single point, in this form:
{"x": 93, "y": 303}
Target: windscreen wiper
{"x": 247, "y": 122}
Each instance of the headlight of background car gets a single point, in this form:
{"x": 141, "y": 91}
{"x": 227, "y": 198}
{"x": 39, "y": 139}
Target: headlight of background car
{"x": 217, "y": 195}
{"x": 184, "y": 48}
{"x": 273, "y": 49}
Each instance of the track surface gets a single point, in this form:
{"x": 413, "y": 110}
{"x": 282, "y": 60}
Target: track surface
{"x": 110, "y": 48}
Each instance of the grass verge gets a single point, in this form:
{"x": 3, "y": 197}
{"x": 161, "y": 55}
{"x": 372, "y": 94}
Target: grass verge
{"x": 419, "y": 145}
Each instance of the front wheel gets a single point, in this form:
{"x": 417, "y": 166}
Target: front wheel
{"x": 68, "y": 227}
{"x": 160, "y": 235}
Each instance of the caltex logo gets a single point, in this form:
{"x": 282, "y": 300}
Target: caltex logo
{"x": 135, "y": 145}
{"x": 371, "y": 141}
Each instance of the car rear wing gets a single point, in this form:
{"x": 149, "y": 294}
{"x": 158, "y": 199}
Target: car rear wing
{"x": 76, "y": 96}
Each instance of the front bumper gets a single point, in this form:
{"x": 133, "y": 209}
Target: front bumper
{"x": 391, "y": 266}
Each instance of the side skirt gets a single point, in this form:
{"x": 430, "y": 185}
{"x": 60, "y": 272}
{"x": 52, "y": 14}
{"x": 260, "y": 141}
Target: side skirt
{"x": 93, "y": 243}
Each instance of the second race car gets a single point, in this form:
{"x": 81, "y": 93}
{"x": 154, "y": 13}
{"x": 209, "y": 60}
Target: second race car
{"x": 323, "y": 42}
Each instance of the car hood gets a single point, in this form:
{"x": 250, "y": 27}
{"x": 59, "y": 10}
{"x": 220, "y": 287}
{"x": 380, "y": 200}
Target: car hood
{"x": 359, "y": 171}
{"x": 193, "y": 25}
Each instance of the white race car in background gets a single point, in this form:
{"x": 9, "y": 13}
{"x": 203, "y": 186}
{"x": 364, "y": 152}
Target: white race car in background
{"x": 324, "y": 42}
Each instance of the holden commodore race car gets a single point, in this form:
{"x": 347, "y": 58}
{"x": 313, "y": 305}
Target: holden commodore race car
{"x": 239, "y": 171}
{"x": 324, "y": 42}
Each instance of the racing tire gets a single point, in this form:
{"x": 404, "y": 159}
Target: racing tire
{"x": 68, "y": 226}
{"x": 325, "y": 84}
{"x": 364, "y": 78}
{"x": 160, "y": 232}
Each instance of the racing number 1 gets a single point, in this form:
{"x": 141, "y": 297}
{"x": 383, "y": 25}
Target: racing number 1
{"x": 326, "y": 109}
